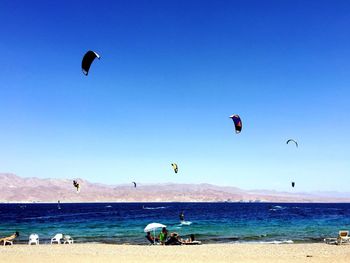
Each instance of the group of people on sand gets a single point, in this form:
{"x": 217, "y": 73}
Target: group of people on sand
{"x": 165, "y": 239}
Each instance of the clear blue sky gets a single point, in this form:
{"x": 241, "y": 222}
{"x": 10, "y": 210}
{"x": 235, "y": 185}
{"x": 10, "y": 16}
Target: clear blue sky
{"x": 170, "y": 74}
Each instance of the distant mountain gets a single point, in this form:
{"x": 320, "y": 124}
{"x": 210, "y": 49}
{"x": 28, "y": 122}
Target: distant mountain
{"x": 18, "y": 189}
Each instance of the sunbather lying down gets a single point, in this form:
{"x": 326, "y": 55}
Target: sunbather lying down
{"x": 175, "y": 239}
{"x": 9, "y": 239}
{"x": 191, "y": 241}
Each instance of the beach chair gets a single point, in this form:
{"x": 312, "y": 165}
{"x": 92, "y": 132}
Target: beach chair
{"x": 343, "y": 237}
{"x": 330, "y": 240}
{"x": 33, "y": 239}
{"x": 9, "y": 240}
{"x": 67, "y": 239}
{"x": 57, "y": 239}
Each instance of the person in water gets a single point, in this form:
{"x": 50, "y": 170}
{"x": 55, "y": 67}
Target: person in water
{"x": 182, "y": 216}
{"x": 163, "y": 236}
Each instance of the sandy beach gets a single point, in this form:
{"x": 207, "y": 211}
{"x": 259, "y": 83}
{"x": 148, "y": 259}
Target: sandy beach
{"x": 204, "y": 253}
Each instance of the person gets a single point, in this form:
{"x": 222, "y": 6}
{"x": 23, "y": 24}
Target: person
{"x": 182, "y": 216}
{"x": 190, "y": 239}
{"x": 174, "y": 239}
{"x": 163, "y": 236}
{"x": 150, "y": 238}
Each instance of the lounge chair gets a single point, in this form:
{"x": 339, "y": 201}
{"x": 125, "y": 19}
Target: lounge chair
{"x": 9, "y": 240}
{"x": 67, "y": 239}
{"x": 330, "y": 240}
{"x": 33, "y": 239}
{"x": 57, "y": 239}
{"x": 343, "y": 237}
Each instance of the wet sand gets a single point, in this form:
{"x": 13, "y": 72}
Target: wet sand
{"x": 203, "y": 253}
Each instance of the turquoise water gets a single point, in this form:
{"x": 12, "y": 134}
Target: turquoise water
{"x": 210, "y": 222}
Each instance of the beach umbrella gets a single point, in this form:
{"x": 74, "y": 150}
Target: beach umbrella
{"x": 153, "y": 227}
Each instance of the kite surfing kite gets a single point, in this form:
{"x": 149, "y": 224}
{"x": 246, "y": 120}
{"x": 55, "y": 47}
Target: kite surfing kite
{"x": 76, "y": 185}
{"x": 238, "y": 123}
{"x": 296, "y": 144}
{"x": 291, "y": 140}
{"x": 88, "y": 58}
{"x": 134, "y": 184}
{"x": 176, "y": 169}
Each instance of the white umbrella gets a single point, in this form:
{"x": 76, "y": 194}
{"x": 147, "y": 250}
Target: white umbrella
{"x": 153, "y": 227}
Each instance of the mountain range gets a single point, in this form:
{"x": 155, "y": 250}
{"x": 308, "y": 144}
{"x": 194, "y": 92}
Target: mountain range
{"x": 14, "y": 188}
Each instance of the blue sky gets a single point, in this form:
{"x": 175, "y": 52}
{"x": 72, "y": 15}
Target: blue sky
{"x": 170, "y": 74}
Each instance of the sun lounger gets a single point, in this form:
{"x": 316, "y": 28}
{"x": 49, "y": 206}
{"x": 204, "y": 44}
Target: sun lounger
{"x": 33, "y": 239}
{"x": 330, "y": 240}
{"x": 343, "y": 237}
{"x": 9, "y": 240}
{"x": 57, "y": 239}
{"x": 67, "y": 239}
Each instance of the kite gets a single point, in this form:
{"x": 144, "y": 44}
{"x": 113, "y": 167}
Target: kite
{"x": 76, "y": 185}
{"x": 175, "y": 167}
{"x": 88, "y": 58}
{"x": 291, "y": 140}
{"x": 238, "y": 123}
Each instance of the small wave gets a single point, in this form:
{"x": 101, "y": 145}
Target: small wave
{"x": 155, "y": 208}
{"x": 277, "y": 207}
{"x": 266, "y": 242}
{"x": 254, "y": 237}
{"x": 108, "y": 206}
{"x": 276, "y": 242}
{"x": 185, "y": 223}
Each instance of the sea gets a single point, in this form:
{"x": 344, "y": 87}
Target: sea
{"x": 124, "y": 223}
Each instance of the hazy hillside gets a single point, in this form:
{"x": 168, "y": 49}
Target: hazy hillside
{"x": 17, "y": 189}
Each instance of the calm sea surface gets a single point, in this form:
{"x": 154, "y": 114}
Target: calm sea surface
{"x": 211, "y": 222}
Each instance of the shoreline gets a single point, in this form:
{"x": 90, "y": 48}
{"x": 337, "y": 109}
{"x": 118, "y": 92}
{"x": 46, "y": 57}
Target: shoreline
{"x": 205, "y": 242}
{"x": 259, "y": 253}
{"x": 169, "y": 202}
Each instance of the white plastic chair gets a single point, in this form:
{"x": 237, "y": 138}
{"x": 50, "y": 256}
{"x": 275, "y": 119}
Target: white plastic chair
{"x": 33, "y": 239}
{"x": 67, "y": 239}
{"x": 57, "y": 239}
